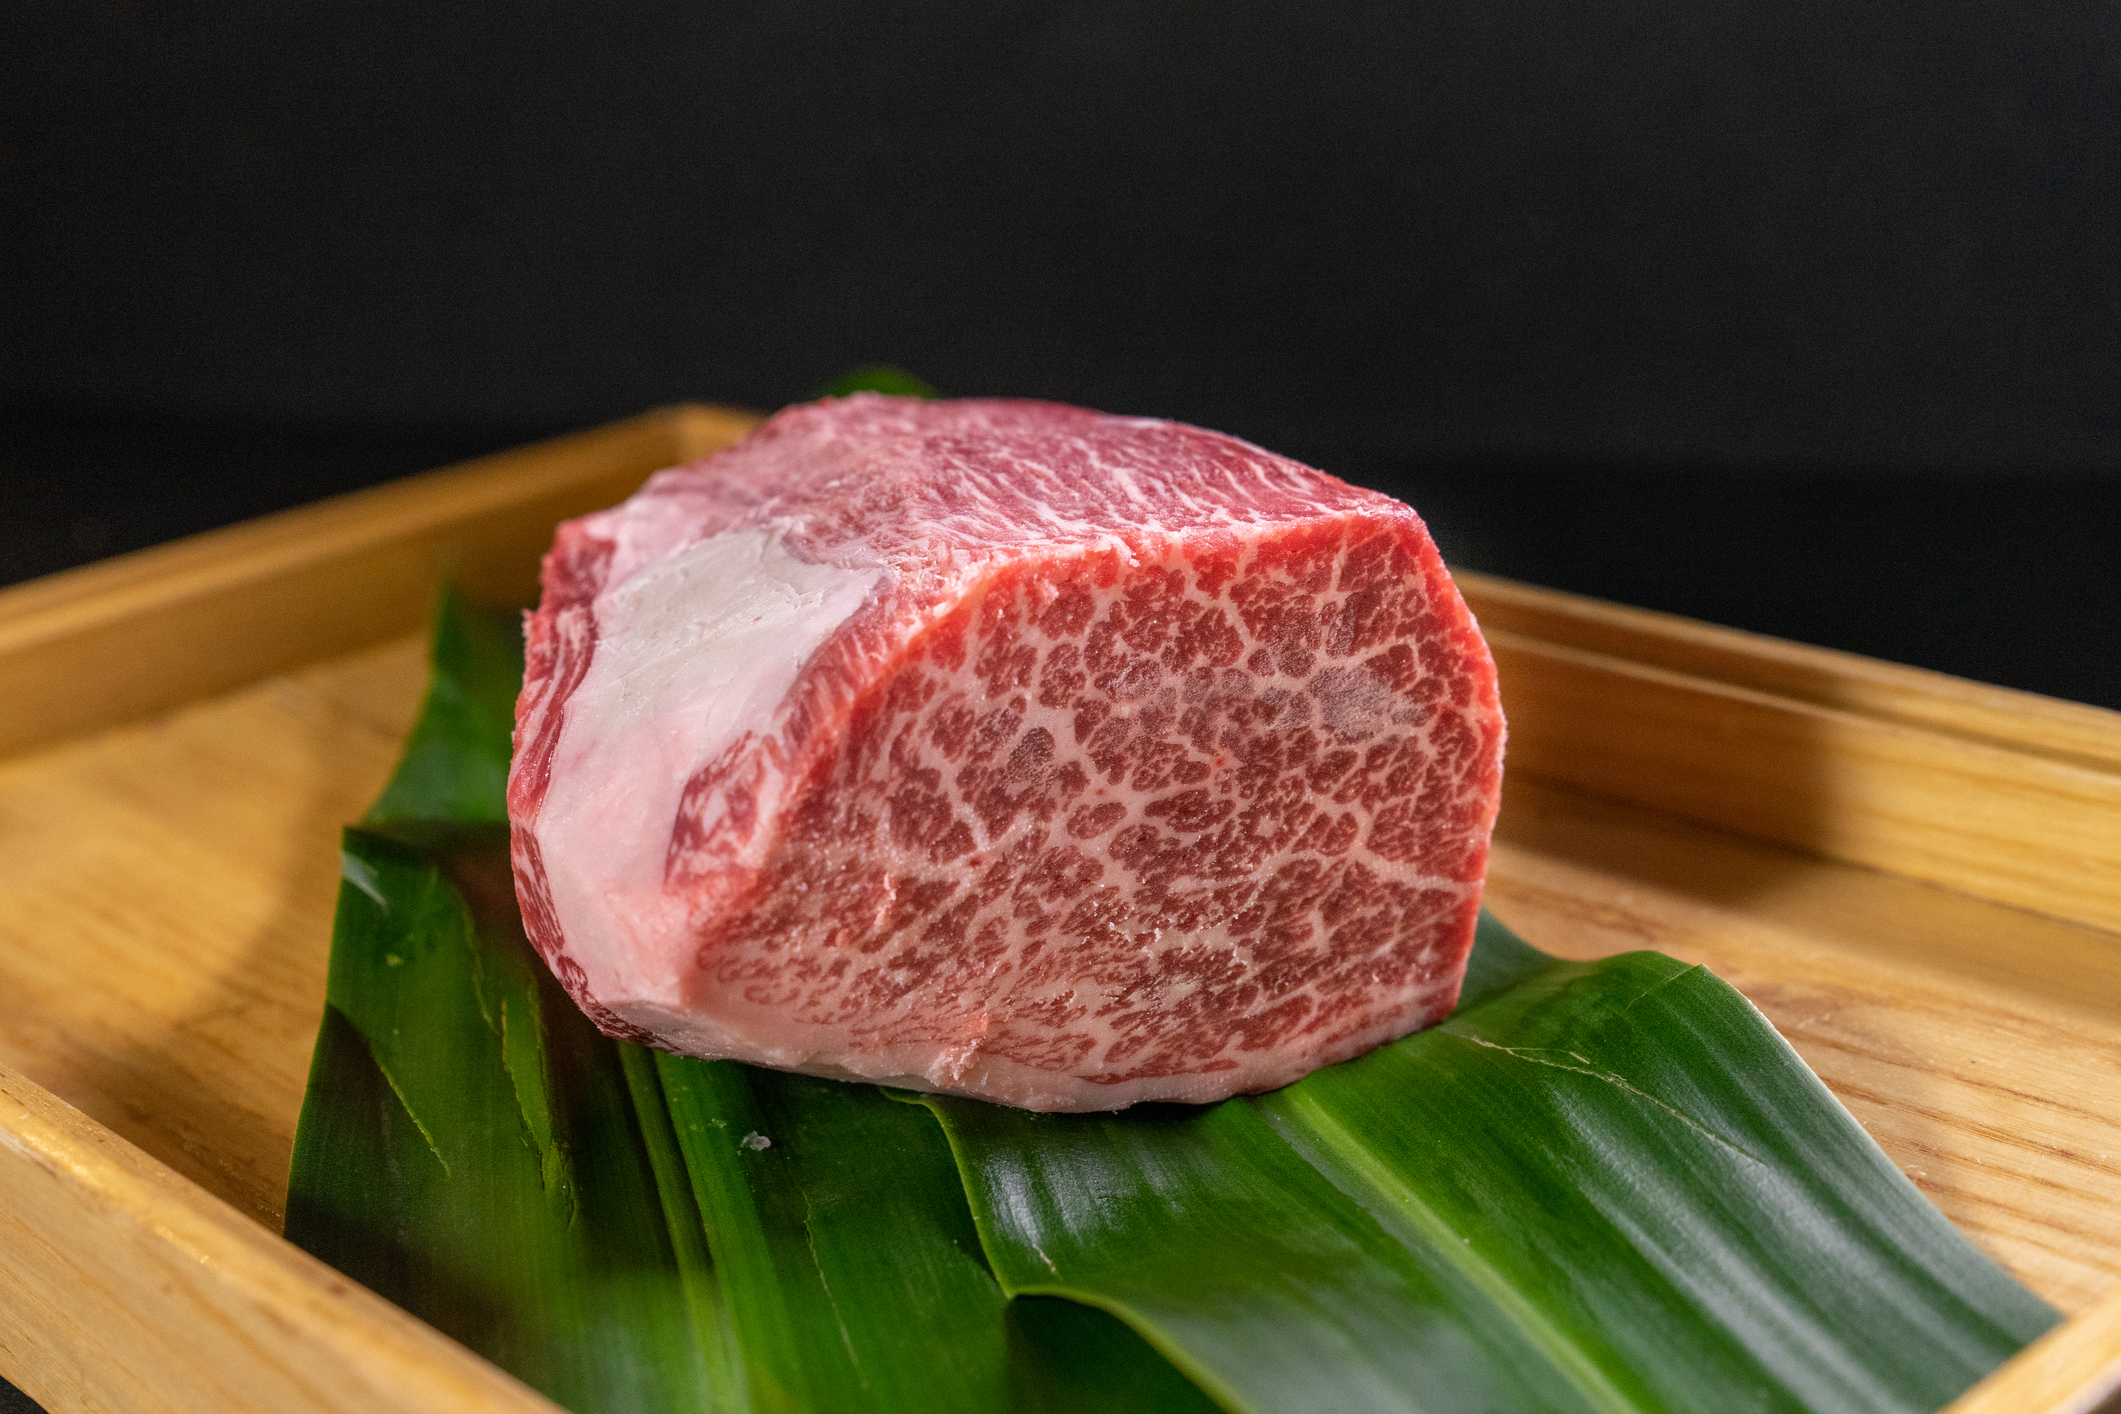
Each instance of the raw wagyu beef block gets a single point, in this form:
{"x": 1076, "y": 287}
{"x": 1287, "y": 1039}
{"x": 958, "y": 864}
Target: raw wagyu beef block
{"x": 1005, "y": 749}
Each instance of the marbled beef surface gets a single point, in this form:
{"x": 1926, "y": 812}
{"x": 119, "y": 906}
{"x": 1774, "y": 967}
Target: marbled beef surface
{"x": 1005, "y": 749}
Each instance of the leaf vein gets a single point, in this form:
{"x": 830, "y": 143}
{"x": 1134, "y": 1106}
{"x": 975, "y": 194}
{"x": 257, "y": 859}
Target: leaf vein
{"x": 1584, "y": 1066}
{"x": 1568, "y": 1356}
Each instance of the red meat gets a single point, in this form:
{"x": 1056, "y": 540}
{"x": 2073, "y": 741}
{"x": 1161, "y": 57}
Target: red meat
{"x": 1005, "y": 749}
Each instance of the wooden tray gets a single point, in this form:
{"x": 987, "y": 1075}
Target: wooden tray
{"x": 1917, "y": 878}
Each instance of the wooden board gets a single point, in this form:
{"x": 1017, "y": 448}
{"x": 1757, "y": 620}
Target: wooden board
{"x": 1885, "y": 860}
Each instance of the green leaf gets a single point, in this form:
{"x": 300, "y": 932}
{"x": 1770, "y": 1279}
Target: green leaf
{"x": 879, "y": 378}
{"x": 587, "y": 1214}
{"x": 455, "y": 767}
{"x": 523, "y": 1219}
{"x": 854, "y": 1276}
{"x": 1599, "y": 1187}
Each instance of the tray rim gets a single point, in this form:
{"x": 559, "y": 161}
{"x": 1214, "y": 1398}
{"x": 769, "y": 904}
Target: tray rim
{"x": 376, "y": 557}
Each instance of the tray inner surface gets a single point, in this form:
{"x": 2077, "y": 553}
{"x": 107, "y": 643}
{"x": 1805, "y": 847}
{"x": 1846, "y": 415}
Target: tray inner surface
{"x": 165, "y": 914}
{"x": 167, "y": 880}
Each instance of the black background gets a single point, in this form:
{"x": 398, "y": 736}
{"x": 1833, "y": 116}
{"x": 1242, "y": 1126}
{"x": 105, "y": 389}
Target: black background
{"x": 1800, "y": 316}
{"x": 1803, "y": 316}
{"x": 1729, "y": 259}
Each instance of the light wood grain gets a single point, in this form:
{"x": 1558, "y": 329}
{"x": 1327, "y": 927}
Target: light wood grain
{"x": 1977, "y": 1042}
{"x": 2018, "y": 824}
{"x": 166, "y": 887}
{"x": 1800, "y": 672}
{"x": 2074, "y": 1369}
{"x": 91, "y": 647}
{"x": 165, "y": 896}
{"x": 128, "y": 1289}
